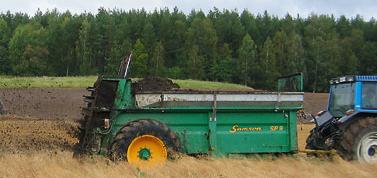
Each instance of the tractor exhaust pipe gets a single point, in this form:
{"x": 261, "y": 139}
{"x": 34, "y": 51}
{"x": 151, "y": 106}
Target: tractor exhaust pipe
{"x": 124, "y": 65}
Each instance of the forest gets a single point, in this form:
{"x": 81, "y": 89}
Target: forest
{"x": 221, "y": 45}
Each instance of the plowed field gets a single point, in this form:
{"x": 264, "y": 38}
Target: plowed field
{"x": 28, "y": 135}
{"x": 51, "y": 103}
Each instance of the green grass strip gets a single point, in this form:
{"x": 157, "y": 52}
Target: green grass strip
{"x": 85, "y": 81}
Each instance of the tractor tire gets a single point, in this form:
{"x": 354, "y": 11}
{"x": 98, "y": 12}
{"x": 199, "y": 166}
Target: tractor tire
{"x": 141, "y": 142}
{"x": 359, "y": 141}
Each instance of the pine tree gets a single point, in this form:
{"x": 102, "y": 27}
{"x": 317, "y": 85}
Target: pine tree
{"x": 118, "y": 52}
{"x": 201, "y": 35}
{"x": 5, "y": 67}
{"x": 221, "y": 70}
{"x": 194, "y": 67}
{"x": 368, "y": 58}
{"x": 267, "y": 66}
{"x": 322, "y": 52}
{"x": 84, "y": 51}
{"x": 246, "y": 61}
{"x": 139, "y": 62}
{"x": 148, "y": 38}
{"x": 157, "y": 67}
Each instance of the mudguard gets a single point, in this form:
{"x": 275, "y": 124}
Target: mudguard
{"x": 347, "y": 118}
{"x": 326, "y": 128}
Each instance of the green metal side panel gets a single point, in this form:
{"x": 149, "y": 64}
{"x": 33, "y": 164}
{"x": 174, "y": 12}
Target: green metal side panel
{"x": 213, "y": 129}
{"x": 253, "y": 132}
{"x": 235, "y": 131}
{"x": 293, "y": 131}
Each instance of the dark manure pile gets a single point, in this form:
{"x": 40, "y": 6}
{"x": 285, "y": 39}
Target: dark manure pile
{"x": 153, "y": 83}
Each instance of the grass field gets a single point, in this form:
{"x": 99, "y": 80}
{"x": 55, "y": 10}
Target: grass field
{"x": 83, "y": 82}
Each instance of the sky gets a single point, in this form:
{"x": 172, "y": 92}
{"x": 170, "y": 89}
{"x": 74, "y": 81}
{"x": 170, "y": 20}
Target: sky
{"x": 350, "y": 8}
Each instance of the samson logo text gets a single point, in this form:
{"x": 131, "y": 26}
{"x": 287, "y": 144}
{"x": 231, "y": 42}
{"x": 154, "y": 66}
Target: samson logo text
{"x": 236, "y": 128}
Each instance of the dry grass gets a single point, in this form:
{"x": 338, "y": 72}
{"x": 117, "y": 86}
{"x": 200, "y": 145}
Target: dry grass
{"x": 62, "y": 164}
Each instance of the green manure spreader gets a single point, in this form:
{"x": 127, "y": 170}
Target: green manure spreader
{"x": 128, "y": 122}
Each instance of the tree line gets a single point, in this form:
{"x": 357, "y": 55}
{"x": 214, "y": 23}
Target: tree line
{"x": 221, "y": 45}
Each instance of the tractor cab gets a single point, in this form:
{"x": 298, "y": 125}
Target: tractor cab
{"x": 341, "y": 97}
{"x": 349, "y": 96}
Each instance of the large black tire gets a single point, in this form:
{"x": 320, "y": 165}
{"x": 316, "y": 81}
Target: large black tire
{"x": 138, "y": 128}
{"x": 350, "y": 146}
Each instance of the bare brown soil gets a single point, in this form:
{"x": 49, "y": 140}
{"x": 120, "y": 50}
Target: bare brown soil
{"x": 52, "y": 103}
{"x": 29, "y": 135}
{"x": 315, "y": 102}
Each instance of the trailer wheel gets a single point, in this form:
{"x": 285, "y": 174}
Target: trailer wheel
{"x": 145, "y": 143}
{"x": 359, "y": 141}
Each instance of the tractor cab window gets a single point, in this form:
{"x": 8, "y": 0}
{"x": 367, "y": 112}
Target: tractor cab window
{"x": 341, "y": 99}
{"x": 369, "y": 95}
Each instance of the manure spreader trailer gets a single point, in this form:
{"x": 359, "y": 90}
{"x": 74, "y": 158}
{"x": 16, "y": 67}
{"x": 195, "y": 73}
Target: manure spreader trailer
{"x": 146, "y": 128}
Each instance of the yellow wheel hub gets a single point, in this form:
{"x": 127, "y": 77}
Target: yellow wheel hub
{"x": 147, "y": 151}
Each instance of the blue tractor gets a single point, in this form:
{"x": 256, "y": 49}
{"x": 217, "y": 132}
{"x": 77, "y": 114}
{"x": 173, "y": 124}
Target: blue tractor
{"x": 349, "y": 125}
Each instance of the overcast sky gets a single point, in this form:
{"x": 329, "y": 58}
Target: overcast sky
{"x": 349, "y": 8}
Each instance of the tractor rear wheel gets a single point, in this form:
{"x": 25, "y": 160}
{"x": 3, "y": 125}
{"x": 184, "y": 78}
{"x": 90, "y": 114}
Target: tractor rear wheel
{"x": 359, "y": 141}
{"x": 145, "y": 143}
